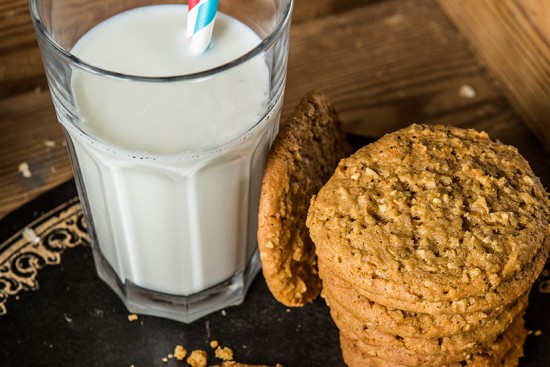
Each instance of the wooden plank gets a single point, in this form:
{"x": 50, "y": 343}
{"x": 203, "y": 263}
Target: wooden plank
{"x": 390, "y": 64}
{"x": 512, "y": 37}
{"x": 305, "y": 10}
{"x": 21, "y": 67}
{"x": 34, "y": 137}
{"x": 384, "y": 64}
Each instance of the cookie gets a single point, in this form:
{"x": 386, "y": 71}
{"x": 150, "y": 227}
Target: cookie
{"x": 303, "y": 156}
{"x": 434, "y": 216}
{"x": 504, "y": 352}
{"x": 511, "y": 359}
{"x": 463, "y": 343}
{"x": 505, "y": 293}
{"x": 343, "y": 297}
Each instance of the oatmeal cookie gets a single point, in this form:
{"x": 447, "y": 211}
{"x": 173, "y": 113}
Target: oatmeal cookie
{"x": 343, "y": 297}
{"x": 504, "y": 352}
{"x": 505, "y": 293}
{"x": 303, "y": 157}
{"x": 463, "y": 343}
{"x": 434, "y": 215}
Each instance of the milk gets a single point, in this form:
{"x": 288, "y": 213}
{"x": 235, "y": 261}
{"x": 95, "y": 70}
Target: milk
{"x": 168, "y": 118}
{"x": 171, "y": 171}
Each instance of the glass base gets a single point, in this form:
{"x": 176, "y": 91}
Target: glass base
{"x": 186, "y": 309}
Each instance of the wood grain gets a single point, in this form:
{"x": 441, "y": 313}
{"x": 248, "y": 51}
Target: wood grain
{"x": 512, "y": 37}
{"x": 20, "y": 63}
{"x": 385, "y": 64}
{"x": 32, "y": 137}
{"x": 404, "y": 64}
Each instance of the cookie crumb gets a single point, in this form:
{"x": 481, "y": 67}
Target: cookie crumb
{"x": 467, "y": 91}
{"x": 224, "y": 353}
{"x": 180, "y": 352}
{"x": 544, "y": 286}
{"x": 30, "y": 235}
{"x": 49, "y": 143}
{"x": 214, "y": 344}
{"x": 68, "y": 318}
{"x": 198, "y": 358}
{"x": 165, "y": 360}
{"x": 537, "y": 333}
{"x": 25, "y": 170}
{"x": 132, "y": 317}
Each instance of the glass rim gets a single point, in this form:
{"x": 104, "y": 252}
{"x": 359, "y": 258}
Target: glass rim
{"x": 266, "y": 42}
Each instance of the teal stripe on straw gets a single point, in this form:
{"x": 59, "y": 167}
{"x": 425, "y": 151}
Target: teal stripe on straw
{"x": 205, "y": 14}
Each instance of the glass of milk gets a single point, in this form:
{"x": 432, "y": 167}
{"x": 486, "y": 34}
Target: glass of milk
{"x": 168, "y": 147}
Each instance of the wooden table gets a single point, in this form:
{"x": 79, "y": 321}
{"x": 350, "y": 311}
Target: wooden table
{"x": 384, "y": 64}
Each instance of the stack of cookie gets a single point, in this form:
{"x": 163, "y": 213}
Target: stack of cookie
{"x": 428, "y": 242}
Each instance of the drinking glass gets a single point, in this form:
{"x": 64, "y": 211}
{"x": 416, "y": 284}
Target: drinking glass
{"x": 172, "y": 226}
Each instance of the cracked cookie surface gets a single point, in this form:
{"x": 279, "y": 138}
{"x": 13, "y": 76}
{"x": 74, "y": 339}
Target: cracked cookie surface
{"x": 433, "y": 215}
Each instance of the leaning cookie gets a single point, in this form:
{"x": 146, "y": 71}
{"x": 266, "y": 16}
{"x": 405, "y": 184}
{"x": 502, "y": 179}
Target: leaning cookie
{"x": 303, "y": 157}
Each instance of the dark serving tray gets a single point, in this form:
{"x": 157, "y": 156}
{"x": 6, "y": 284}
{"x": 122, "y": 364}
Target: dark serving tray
{"x": 59, "y": 313}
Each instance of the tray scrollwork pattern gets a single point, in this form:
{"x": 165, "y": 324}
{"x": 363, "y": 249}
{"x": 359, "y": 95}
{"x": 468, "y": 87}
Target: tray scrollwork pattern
{"x": 40, "y": 243}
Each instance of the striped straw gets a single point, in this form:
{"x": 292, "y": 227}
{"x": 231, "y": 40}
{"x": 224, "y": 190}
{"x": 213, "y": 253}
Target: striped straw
{"x": 200, "y": 23}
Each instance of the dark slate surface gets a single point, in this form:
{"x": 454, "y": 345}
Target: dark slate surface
{"x": 74, "y": 319}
